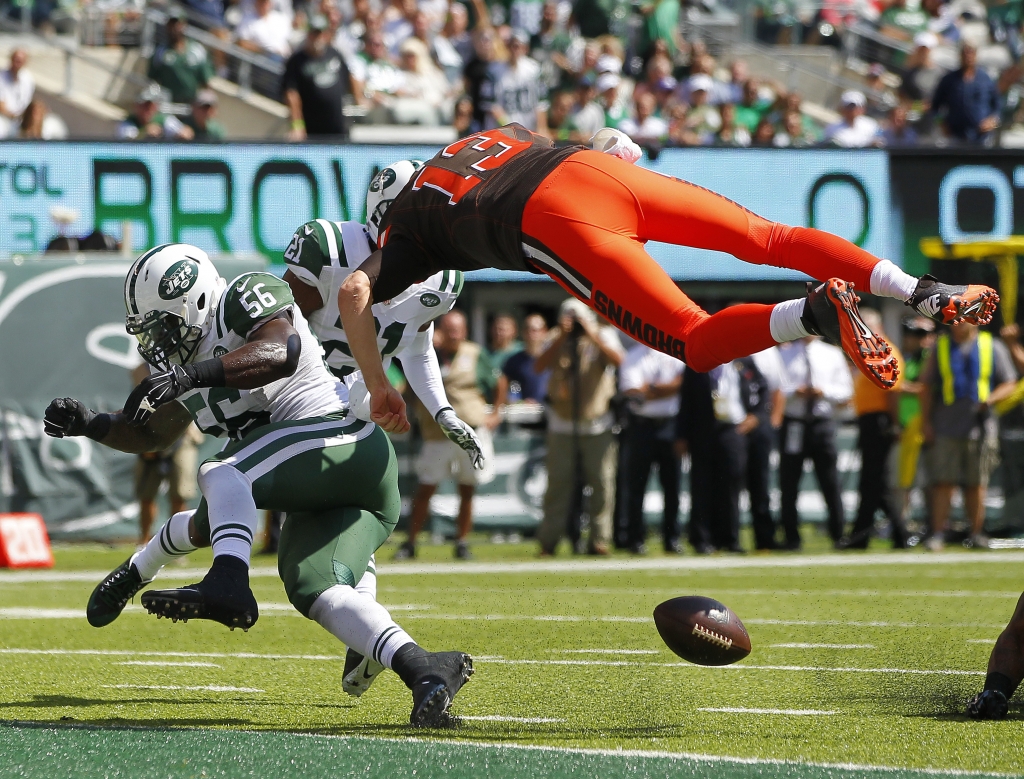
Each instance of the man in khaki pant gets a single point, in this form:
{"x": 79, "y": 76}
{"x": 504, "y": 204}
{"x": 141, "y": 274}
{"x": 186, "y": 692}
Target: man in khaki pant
{"x": 580, "y": 386}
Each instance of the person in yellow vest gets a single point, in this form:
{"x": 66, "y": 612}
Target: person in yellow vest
{"x": 918, "y": 341}
{"x": 877, "y": 424}
{"x": 969, "y": 372}
{"x": 467, "y": 374}
{"x": 582, "y": 356}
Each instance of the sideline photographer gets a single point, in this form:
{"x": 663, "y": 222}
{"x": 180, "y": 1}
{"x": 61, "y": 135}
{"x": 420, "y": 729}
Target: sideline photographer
{"x": 582, "y": 356}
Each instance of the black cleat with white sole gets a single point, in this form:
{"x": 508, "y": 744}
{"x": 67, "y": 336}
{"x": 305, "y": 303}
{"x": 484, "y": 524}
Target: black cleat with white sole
{"x": 988, "y": 704}
{"x": 951, "y": 304}
{"x": 222, "y": 596}
{"x": 113, "y": 593}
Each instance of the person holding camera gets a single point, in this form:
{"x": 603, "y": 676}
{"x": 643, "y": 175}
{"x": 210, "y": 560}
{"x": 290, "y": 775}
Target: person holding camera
{"x": 581, "y": 449}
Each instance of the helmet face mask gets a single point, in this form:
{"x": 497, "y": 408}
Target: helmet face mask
{"x": 384, "y": 188}
{"x": 170, "y": 293}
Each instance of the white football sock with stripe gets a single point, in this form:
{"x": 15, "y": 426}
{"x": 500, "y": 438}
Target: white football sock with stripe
{"x": 786, "y": 322}
{"x": 359, "y": 622}
{"x": 228, "y": 494}
{"x": 892, "y": 282}
{"x": 368, "y": 584}
{"x": 170, "y": 542}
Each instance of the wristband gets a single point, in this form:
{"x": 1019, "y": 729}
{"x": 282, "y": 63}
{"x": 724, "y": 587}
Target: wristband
{"x": 97, "y": 427}
{"x": 441, "y": 411}
{"x": 298, "y": 124}
{"x": 208, "y": 373}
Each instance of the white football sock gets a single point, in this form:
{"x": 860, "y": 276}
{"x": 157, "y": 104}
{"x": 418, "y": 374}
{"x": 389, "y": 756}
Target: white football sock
{"x": 785, "y": 322}
{"x": 892, "y": 282}
{"x": 359, "y": 622}
{"x": 228, "y": 494}
{"x": 172, "y": 541}
{"x": 368, "y": 584}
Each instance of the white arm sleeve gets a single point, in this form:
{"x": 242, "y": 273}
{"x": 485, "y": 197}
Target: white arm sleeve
{"x": 419, "y": 362}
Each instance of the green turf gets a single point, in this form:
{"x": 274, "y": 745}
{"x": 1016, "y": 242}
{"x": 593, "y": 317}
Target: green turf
{"x": 526, "y": 630}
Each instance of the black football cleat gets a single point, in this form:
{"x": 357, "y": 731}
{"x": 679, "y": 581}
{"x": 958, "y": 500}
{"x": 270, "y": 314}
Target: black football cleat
{"x": 222, "y": 596}
{"x": 988, "y": 704}
{"x": 113, "y": 593}
{"x": 950, "y": 304}
{"x": 435, "y": 687}
{"x": 360, "y": 671}
{"x": 831, "y": 312}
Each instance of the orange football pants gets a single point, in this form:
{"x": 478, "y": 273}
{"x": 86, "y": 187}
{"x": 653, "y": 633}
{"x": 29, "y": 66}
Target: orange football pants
{"x": 586, "y": 225}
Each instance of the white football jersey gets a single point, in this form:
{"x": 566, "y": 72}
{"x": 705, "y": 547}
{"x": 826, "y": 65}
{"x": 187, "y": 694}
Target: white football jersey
{"x": 248, "y": 302}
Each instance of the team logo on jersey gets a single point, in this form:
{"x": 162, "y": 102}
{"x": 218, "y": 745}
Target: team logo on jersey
{"x": 429, "y": 299}
{"x": 219, "y": 351}
{"x": 178, "y": 279}
{"x": 383, "y": 180}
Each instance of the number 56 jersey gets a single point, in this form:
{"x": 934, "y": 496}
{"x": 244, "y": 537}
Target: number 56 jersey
{"x": 248, "y": 302}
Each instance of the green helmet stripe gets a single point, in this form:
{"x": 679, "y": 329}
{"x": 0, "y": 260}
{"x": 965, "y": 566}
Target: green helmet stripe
{"x": 444, "y": 281}
{"x": 459, "y": 281}
{"x": 342, "y": 256}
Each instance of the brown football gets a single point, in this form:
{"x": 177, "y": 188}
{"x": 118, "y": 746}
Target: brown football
{"x": 702, "y": 630}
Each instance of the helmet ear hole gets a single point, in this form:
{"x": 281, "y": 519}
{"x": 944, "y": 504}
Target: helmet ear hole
{"x": 201, "y": 303}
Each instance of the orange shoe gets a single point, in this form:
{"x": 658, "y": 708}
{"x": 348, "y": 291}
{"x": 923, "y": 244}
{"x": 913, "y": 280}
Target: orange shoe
{"x": 832, "y": 313}
{"x": 949, "y": 304}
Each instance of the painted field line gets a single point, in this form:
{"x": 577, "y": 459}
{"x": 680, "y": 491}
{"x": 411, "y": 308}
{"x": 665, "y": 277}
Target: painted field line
{"x": 981, "y": 641}
{"x": 822, "y": 646}
{"x": 23, "y": 613}
{"x": 168, "y": 664}
{"x": 187, "y": 688}
{"x": 129, "y": 653}
{"x": 680, "y": 756}
{"x": 500, "y": 718}
{"x": 607, "y": 651}
{"x": 788, "y": 712}
{"x": 564, "y": 567}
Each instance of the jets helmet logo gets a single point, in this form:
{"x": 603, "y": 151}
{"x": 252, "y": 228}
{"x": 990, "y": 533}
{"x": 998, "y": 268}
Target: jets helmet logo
{"x": 429, "y": 299}
{"x": 383, "y": 180}
{"x": 178, "y": 279}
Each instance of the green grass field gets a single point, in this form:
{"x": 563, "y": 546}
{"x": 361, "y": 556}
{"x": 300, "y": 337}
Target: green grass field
{"x": 861, "y": 666}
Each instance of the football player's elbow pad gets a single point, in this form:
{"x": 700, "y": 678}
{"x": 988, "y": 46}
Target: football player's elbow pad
{"x": 608, "y": 140}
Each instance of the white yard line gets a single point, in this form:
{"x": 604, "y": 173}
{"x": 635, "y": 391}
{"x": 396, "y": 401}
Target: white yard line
{"x": 569, "y": 567}
{"x": 187, "y": 688}
{"x": 822, "y": 646}
{"x": 501, "y": 718}
{"x": 168, "y": 664}
{"x": 607, "y": 651}
{"x": 981, "y": 641}
{"x": 788, "y": 712}
{"x": 129, "y": 653}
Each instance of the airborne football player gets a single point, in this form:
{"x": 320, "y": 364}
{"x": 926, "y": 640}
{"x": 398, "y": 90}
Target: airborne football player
{"x": 507, "y": 199}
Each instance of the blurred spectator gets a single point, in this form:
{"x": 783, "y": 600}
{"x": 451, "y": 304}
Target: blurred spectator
{"x": 526, "y": 15}
{"x": 877, "y": 424}
{"x": 1004, "y": 23}
{"x": 751, "y": 108}
{"x": 729, "y": 134}
{"x": 902, "y": 22}
{"x": 398, "y": 24}
{"x": 581, "y": 448}
{"x": 423, "y": 97}
{"x": 453, "y": 48}
{"x": 379, "y": 78}
{"x": 794, "y": 133}
{"x": 703, "y": 119}
{"x": 854, "y": 130}
{"x": 918, "y": 339}
{"x": 967, "y": 373}
{"x": 266, "y": 31}
{"x": 37, "y": 122}
{"x": 202, "y": 121}
{"x": 657, "y": 76}
{"x": 504, "y": 341}
{"x": 549, "y": 46}
{"x": 589, "y": 116}
{"x": 652, "y": 380}
{"x": 594, "y": 17}
{"x": 739, "y": 74}
{"x": 608, "y": 98}
{"x": 647, "y": 129}
{"x": 182, "y": 66}
{"x": 17, "y": 88}
{"x": 943, "y": 19}
{"x": 661, "y": 23}
{"x": 817, "y": 381}
{"x": 481, "y": 76}
{"x": 463, "y": 117}
{"x": 969, "y": 99}
{"x": 315, "y": 83}
{"x": 521, "y": 382}
{"x": 762, "y": 382}
{"x": 520, "y": 95}
{"x": 764, "y": 133}
{"x": 147, "y": 123}
{"x": 921, "y": 76}
{"x": 468, "y": 376}
{"x": 560, "y": 110}
{"x": 880, "y": 99}
{"x": 898, "y": 131}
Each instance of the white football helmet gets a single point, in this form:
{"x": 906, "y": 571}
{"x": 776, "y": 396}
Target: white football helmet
{"x": 170, "y": 293}
{"x": 384, "y": 188}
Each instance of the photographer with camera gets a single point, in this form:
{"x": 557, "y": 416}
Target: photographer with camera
{"x": 582, "y": 356}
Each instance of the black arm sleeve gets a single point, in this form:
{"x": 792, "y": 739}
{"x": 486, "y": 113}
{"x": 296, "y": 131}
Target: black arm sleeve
{"x": 395, "y": 268}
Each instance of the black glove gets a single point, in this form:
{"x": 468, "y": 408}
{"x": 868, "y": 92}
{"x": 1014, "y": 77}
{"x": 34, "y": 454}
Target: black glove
{"x": 70, "y": 417}
{"x": 156, "y": 390}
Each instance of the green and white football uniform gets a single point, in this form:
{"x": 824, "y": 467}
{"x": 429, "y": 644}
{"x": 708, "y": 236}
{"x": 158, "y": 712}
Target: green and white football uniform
{"x": 323, "y": 254}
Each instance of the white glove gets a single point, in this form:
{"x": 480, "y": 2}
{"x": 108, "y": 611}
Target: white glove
{"x": 461, "y": 434}
{"x": 615, "y": 142}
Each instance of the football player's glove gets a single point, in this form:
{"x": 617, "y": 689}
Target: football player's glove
{"x": 66, "y": 417}
{"x": 156, "y": 390}
{"x": 461, "y": 434}
{"x": 616, "y": 143}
